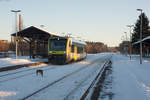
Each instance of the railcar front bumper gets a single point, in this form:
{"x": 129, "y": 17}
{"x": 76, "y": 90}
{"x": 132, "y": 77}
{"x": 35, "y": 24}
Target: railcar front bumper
{"x": 57, "y": 58}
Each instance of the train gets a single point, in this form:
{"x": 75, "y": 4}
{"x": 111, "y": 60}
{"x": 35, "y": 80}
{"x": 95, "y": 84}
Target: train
{"x": 62, "y": 50}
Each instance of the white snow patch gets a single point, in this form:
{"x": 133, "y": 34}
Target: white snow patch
{"x": 4, "y": 62}
{"x": 7, "y": 93}
{"x": 131, "y": 79}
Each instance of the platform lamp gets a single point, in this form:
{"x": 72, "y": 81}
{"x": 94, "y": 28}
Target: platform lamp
{"x": 126, "y": 38}
{"x": 16, "y": 11}
{"x": 130, "y": 26}
{"x": 140, "y": 37}
{"x": 125, "y": 45}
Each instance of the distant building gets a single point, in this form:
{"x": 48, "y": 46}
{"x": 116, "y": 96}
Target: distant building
{"x": 3, "y": 41}
{"x": 4, "y": 45}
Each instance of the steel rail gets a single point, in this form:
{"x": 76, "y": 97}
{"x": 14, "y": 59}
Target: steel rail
{"x": 95, "y": 79}
{"x": 26, "y": 74}
{"x": 73, "y": 90}
{"x": 58, "y": 80}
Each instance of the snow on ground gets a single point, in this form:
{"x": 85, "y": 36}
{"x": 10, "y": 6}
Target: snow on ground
{"x": 19, "y": 85}
{"x": 130, "y": 78}
{"x": 4, "y": 62}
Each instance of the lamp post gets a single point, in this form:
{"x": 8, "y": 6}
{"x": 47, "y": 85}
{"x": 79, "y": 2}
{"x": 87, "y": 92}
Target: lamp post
{"x": 126, "y": 36}
{"x": 126, "y": 39}
{"x": 130, "y": 26}
{"x": 123, "y": 45}
{"x": 16, "y": 11}
{"x": 140, "y": 37}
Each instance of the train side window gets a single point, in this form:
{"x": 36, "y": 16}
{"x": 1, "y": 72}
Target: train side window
{"x": 80, "y": 50}
{"x": 72, "y": 48}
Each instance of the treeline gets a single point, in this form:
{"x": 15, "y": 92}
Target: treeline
{"x": 96, "y": 47}
{"x": 145, "y": 33}
{"x": 135, "y": 36}
{"x": 124, "y": 47}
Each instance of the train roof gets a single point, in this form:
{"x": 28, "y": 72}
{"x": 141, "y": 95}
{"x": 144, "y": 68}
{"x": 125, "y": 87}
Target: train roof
{"x": 74, "y": 41}
{"x": 78, "y": 42}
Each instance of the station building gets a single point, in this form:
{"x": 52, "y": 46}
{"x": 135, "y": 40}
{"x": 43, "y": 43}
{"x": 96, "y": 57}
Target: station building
{"x": 36, "y": 40}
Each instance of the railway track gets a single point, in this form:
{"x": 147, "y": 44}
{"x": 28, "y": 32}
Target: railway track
{"x": 22, "y": 71}
{"x": 60, "y": 79}
{"x": 12, "y": 73}
{"x": 25, "y": 65}
{"x": 79, "y": 85}
{"x": 20, "y": 76}
{"x": 67, "y": 97}
{"x": 3, "y": 78}
{"x": 84, "y": 95}
{"x": 33, "y": 71}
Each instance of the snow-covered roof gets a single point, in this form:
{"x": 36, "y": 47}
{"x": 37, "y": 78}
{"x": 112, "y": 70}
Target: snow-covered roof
{"x": 39, "y": 32}
{"x": 47, "y": 31}
{"x": 148, "y": 37}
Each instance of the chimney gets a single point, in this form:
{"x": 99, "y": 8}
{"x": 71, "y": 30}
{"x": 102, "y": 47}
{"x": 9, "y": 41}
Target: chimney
{"x": 20, "y": 23}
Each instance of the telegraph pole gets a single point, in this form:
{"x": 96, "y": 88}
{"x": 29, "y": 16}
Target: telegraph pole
{"x": 140, "y": 37}
{"x": 16, "y": 11}
{"x": 130, "y": 26}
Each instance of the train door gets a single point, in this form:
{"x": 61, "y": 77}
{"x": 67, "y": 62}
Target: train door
{"x": 75, "y": 53}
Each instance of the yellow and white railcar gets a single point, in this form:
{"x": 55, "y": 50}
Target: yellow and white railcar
{"x": 62, "y": 50}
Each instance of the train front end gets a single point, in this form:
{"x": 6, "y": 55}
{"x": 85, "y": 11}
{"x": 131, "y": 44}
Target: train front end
{"x": 57, "y": 50}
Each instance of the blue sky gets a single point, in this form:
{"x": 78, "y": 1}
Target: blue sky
{"x": 94, "y": 20}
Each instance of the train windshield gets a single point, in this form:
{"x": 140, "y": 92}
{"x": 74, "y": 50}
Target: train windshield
{"x": 58, "y": 45}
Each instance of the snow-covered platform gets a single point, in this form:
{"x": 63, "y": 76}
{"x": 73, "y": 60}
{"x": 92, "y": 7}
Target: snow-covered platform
{"x": 11, "y": 61}
{"x": 130, "y": 78}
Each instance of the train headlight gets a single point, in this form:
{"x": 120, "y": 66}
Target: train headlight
{"x": 50, "y": 51}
